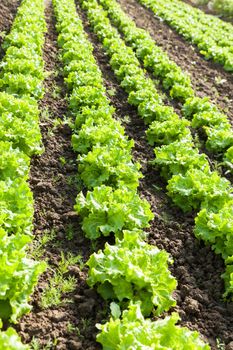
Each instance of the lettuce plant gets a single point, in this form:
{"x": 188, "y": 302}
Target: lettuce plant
{"x": 219, "y": 138}
{"x": 16, "y": 206}
{"x": 132, "y": 270}
{"x": 23, "y": 66}
{"x": 13, "y": 162}
{"x": 94, "y": 113}
{"x": 110, "y": 165}
{"x": 105, "y": 210}
{"x": 104, "y": 131}
{"x": 216, "y": 228}
{"x": 133, "y": 332}
{"x": 196, "y": 188}
{"x": 21, "y": 84}
{"x": 177, "y": 157}
{"x": 167, "y": 131}
{"x": 9, "y": 340}
{"x": 20, "y": 123}
{"x": 18, "y": 275}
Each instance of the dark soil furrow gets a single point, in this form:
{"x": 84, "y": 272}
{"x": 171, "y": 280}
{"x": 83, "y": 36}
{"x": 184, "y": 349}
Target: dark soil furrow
{"x": 196, "y": 267}
{"x": 7, "y": 13}
{"x": 54, "y": 182}
{"x": 208, "y": 78}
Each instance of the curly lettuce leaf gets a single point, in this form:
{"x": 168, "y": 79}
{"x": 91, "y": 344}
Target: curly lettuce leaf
{"x": 104, "y": 132}
{"x": 168, "y": 131}
{"x": 18, "y": 275}
{"x": 133, "y": 270}
{"x": 109, "y": 165}
{"x": 179, "y": 156}
{"x": 13, "y": 162}
{"x": 20, "y": 123}
{"x": 9, "y": 340}
{"x": 216, "y": 228}
{"x": 134, "y": 332}
{"x": 16, "y": 206}
{"x": 105, "y": 210}
{"x": 196, "y": 188}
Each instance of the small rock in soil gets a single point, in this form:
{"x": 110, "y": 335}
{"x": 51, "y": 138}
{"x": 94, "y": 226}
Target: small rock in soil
{"x": 44, "y": 186}
{"x": 53, "y": 216}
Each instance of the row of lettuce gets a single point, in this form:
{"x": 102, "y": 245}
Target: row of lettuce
{"x": 192, "y": 184}
{"x": 212, "y": 36}
{"x": 222, "y": 7}
{"x": 200, "y": 111}
{"x": 131, "y": 271}
{"x": 21, "y": 86}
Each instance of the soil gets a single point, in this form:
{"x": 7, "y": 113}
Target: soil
{"x": 7, "y": 13}
{"x": 55, "y": 186}
{"x": 208, "y": 78}
{"x": 196, "y": 267}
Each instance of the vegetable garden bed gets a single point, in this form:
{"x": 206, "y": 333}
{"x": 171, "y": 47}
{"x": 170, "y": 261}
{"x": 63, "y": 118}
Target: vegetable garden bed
{"x": 65, "y": 309}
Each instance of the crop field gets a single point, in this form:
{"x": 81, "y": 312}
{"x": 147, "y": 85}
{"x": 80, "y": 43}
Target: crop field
{"x": 116, "y": 171}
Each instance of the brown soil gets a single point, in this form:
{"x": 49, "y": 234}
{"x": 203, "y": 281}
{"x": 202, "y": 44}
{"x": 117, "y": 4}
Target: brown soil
{"x": 208, "y": 78}
{"x": 7, "y": 13}
{"x": 196, "y": 267}
{"x": 55, "y": 187}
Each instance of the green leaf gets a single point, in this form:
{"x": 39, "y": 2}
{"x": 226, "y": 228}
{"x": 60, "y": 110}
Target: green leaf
{"x": 115, "y": 310}
{"x": 134, "y": 332}
{"x": 18, "y": 275}
{"x": 105, "y": 211}
{"x": 134, "y": 270}
{"x": 196, "y": 188}
{"x": 9, "y": 340}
